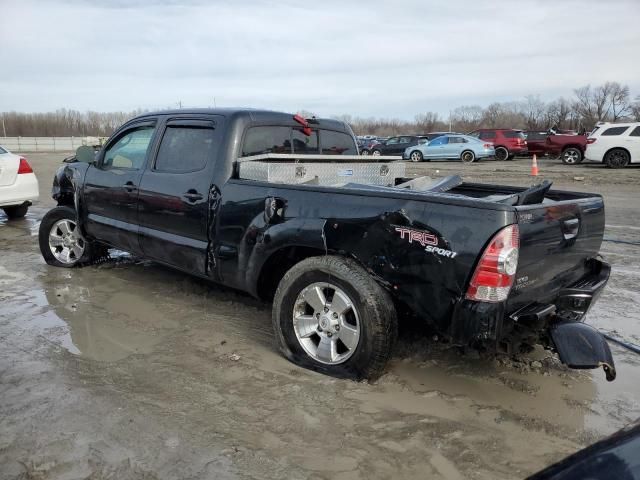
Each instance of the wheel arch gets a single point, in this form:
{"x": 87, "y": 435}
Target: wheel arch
{"x": 618, "y": 148}
{"x": 576, "y": 146}
{"x": 278, "y": 263}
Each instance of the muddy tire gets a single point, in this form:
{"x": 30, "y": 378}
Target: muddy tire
{"x": 18, "y": 211}
{"x": 571, "y": 156}
{"x": 617, "y": 158}
{"x": 331, "y": 316}
{"x": 502, "y": 153}
{"x": 61, "y": 243}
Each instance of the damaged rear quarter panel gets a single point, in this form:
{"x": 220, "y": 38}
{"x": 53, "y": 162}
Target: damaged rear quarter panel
{"x": 422, "y": 251}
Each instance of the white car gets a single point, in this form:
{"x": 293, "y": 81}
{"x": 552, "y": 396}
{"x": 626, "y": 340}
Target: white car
{"x": 614, "y": 144}
{"x": 18, "y": 184}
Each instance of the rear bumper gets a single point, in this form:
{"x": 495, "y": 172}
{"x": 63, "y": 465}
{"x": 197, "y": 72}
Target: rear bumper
{"x": 24, "y": 189}
{"x": 557, "y": 324}
{"x": 491, "y": 322}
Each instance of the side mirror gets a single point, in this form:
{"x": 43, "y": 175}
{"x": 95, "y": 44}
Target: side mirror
{"x": 86, "y": 154}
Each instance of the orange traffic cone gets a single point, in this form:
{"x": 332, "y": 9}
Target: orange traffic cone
{"x": 534, "y": 166}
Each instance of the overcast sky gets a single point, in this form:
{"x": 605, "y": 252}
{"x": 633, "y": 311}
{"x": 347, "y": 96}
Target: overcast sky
{"x": 384, "y": 59}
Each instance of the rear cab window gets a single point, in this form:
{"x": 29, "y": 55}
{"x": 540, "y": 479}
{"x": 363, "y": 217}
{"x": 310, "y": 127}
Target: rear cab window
{"x": 336, "y": 143}
{"x": 635, "y": 132}
{"x": 302, "y": 143}
{"x": 261, "y": 140}
{"x": 279, "y": 139}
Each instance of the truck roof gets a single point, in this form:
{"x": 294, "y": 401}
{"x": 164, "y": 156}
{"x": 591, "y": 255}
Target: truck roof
{"x": 251, "y": 114}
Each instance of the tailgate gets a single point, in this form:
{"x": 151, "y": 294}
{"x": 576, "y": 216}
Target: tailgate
{"x": 556, "y": 239}
{"x": 8, "y": 168}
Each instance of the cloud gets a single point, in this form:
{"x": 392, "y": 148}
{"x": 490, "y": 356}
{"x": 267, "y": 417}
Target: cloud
{"x": 374, "y": 59}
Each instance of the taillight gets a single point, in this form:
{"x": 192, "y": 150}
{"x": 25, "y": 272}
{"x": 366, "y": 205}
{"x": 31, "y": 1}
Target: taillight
{"x": 24, "y": 166}
{"x": 488, "y": 145}
{"x": 591, "y": 140}
{"x": 496, "y": 270}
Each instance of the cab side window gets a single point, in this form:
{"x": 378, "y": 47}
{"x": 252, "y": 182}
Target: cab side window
{"x": 130, "y": 150}
{"x": 185, "y": 149}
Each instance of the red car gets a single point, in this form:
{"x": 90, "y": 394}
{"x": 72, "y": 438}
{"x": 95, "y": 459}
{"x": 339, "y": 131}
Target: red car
{"x": 569, "y": 147}
{"x": 507, "y": 141}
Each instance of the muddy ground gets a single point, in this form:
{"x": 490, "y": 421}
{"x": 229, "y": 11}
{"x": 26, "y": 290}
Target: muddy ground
{"x": 128, "y": 370}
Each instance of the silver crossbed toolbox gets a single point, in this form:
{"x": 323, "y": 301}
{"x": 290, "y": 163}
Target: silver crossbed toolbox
{"x": 321, "y": 169}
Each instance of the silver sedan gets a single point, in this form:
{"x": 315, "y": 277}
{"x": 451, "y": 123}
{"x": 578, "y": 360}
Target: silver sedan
{"x": 462, "y": 147}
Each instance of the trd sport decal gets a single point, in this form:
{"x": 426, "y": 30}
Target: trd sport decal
{"x": 427, "y": 240}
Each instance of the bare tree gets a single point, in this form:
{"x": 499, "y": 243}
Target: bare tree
{"x": 427, "y": 122}
{"x": 534, "y": 111}
{"x": 635, "y": 109}
{"x": 466, "y": 118}
{"x": 620, "y": 100}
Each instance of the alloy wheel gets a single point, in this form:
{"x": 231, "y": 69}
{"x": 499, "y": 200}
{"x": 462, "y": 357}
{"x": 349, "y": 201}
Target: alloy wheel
{"x": 326, "y": 323}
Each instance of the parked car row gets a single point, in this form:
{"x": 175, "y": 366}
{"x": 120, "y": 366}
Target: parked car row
{"x": 614, "y": 144}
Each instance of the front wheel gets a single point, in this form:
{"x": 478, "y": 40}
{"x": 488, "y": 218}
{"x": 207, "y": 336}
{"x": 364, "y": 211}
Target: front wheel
{"x": 502, "y": 153}
{"x": 617, "y": 158}
{"x": 17, "y": 211}
{"x": 61, "y": 242}
{"x": 364, "y": 152}
{"x": 468, "y": 156}
{"x": 376, "y": 153}
{"x": 330, "y": 315}
{"x": 416, "y": 156}
{"x": 571, "y": 156}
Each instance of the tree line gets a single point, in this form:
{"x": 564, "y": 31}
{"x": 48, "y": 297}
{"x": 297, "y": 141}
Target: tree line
{"x": 610, "y": 101}
{"x": 62, "y": 123}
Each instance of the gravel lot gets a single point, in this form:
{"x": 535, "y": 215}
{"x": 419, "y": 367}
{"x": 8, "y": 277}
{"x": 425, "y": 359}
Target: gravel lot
{"x": 128, "y": 370}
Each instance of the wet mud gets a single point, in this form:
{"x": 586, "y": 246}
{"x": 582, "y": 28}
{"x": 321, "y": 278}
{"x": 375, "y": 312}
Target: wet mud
{"x": 127, "y": 370}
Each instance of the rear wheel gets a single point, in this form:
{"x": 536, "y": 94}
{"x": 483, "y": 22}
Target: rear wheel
{"x": 468, "y": 156}
{"x": 17, "y": 211}
{"x": 61, "y": 242}
{"x": 364, "y": 152}
{"x": 416, "y": 156}
{"x": 330, "y": 315}
{"x": 502, "y": 153}
{"x": 617, "y": 158}
{"x": 571, "y": 156}
{"x": 375, "y": 152}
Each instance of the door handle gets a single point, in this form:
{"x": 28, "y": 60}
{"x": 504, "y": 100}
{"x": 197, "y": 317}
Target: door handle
{"x": 192, "y": 196}
{"x": 570, "y": 228}
{"x": 130, "y": 186}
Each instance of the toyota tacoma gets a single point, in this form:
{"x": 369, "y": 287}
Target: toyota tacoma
{"x": 283, "y": 208}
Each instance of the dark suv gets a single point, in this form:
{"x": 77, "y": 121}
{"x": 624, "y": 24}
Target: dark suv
{"x": 507, "y": 141}
{"x": 397, "y": 145}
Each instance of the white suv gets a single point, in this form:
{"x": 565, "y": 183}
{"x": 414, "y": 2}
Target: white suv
{"x": 614, "y": 144}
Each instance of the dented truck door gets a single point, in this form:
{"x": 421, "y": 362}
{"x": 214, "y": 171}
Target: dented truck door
{"x": 173, "y": 200}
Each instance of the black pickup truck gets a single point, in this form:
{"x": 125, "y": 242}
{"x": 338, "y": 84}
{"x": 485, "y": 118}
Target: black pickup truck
{"x": 491, "y": 266}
